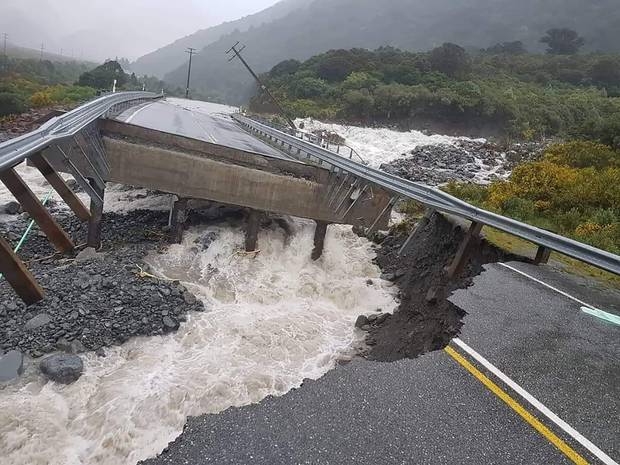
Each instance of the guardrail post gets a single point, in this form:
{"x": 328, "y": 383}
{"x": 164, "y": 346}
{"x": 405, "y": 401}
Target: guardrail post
{"x": 319, "y": 239}
{"x": 36, "y": 210}
{"x": 471, "y": 239}
{"x": 251, "y": 231}
{"x": 96, "y": 215}
{"x": 542, "y": 255}
{"x": 60, "y": 186}
{"x": 20, "y": 279}
{"x": 418, "y": 227}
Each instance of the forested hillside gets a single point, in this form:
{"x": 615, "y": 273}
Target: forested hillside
{"x": 167, "y": 58}
{"x": 501, "y": 90}
{"x": 406, "y": 24}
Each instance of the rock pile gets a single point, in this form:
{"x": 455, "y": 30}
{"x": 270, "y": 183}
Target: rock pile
{"x": 466, "y": 160}
{"x": 99, "y": 300}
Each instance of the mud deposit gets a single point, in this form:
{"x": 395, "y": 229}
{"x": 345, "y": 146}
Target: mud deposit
{"x": 419, "y": 327}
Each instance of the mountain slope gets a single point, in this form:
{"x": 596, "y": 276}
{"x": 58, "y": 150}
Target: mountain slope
{"x": 407, "y": 24}
{"x": 173, "y": 55}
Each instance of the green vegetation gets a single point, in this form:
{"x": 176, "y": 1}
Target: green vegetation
{"x": 574, "y": 190}
{"x": 502, "y": 88}
{"x": 28, "y": 83}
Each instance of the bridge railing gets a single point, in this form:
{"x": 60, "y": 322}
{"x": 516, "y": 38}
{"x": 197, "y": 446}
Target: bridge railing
{"x": 15, "y": 151}
{"x": 75, "y": 140}
{"x": 436, "y": 199}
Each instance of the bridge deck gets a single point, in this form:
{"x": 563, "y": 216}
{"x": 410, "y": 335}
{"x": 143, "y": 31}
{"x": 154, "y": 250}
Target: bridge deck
{"x": 209, "y": 122}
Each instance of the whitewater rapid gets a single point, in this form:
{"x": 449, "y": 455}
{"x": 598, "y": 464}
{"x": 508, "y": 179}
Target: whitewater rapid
{"x": 271, "y": 322}
{"x": 380, "y": 145}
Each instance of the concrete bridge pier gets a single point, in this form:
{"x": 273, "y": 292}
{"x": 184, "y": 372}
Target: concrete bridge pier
{"x": 96, "y": 215}
{"x": 178, "y": 218}
{"x": 319, "y": 239}
{"x": 251, "y": 230}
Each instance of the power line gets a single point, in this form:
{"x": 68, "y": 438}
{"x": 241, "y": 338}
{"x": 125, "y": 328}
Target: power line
{"x": 237, "y": 54}
{"x": 192, "y": 52}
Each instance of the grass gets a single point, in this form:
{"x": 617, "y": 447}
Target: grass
{"x": 524, "y": 248}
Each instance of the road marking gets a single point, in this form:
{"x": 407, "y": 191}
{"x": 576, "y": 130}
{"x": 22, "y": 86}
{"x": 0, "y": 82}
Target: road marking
{"x": 610, "y": 317}
{"x": 598, "y": 453}
{"x": 581, "y": 302}
{"x": 513, "y": 404}
{"x": 135, "y": 113}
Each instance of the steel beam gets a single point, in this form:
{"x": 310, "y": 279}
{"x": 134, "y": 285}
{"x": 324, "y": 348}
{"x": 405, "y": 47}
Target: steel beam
{"x": 36, "y": 210}
{"x": 388, "y": 208}
{"x": 20, "y": 279}
{"x": 59, "y": 184}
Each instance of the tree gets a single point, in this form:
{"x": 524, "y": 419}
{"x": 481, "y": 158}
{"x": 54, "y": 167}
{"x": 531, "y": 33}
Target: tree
{"x": 285, "y": 68}
{"x": 507, "y": 48}
{"x": 606, "y": 71}
{"x": 563, "y": 41}
{"x": 450, "y": 59}
{"x": 102, "y": 77}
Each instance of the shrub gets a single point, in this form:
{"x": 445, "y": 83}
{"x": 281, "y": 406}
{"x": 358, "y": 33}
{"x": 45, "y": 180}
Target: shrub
{"x": 11, "y": 104}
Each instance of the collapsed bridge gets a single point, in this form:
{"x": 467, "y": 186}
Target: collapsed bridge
{"x": 142, "y": 140}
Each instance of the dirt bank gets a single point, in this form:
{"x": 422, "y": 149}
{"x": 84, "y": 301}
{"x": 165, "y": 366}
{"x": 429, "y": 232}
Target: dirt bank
{"x": 418, "y": 327}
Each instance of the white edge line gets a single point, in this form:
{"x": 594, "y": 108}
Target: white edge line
{"x": 549, "y": 286}
{"x": 606, "y": 459}
{"x": 135, "y": 113}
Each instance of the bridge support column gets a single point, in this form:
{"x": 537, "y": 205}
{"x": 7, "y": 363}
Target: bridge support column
{"x": 18, "y": 276}
{"x": 96, "y": 215}
{"x": 251, "y": 231}
{"x": 178, "y": 219}
{"x": 319, "y": 239}
{"x": 20, "y": 190}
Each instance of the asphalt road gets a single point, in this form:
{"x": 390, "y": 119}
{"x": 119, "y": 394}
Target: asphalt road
{"x": 434, "y": 411}
{"x": 209, "y": 122}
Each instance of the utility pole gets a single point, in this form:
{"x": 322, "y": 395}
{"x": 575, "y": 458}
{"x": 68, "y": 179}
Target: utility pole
{"x": 42, "y": 48}
{"x": 237, "y": 54}
{"x": 5, "y": 61}
{"x": 6, "y": 37}
{"x": 192, "y": 52}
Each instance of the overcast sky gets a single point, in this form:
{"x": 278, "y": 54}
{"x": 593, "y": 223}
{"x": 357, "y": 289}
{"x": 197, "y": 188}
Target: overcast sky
{"x": 102, "y": 29}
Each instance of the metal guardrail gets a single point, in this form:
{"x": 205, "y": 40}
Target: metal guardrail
{"x": 15, "y": 151}
{"x": 316, "y": 140}
{"x": 437, "y": 199}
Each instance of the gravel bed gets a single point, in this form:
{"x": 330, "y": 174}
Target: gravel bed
{"x": 96, "y": 300}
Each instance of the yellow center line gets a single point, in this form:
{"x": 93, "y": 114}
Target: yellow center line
{"x": 513, "y": 404}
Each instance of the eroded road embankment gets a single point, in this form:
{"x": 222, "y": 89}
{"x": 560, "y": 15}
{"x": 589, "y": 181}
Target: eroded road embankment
{"x": 445, "y": 406}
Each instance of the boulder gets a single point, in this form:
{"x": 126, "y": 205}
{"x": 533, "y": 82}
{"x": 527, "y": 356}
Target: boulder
{"x": 11, "y": 366}
{"x": 37, "y": 322}
{"x": 88, "y": 254}
{"x": 361, "y": 321}
{"x": 170, "y": 324}
{"x": 62, "y": 368}
{"x": 12, "y": 208}
{"x": 190, "y": 299}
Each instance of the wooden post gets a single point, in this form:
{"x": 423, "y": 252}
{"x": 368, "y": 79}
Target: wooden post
{"x": 96, "y": 215}
{"x": 178, "y": 218}
{"x": 37, "y": 211}
{"x": 319, "y": 239}
{"x": 60, "y": 186}
{"x": 18, "y": 276}
{"x": 542, "y": 255}
{"x": 472, "y": 238}
{"x": 251, "y": 231}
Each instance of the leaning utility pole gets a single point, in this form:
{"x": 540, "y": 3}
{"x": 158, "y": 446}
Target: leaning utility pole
{"x": 192, "y": 52}
{"x": 237, "y": 53}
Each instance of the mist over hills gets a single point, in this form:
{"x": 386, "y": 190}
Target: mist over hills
{"x": 168, "y": 58}
{"x": 300, "y": 29}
